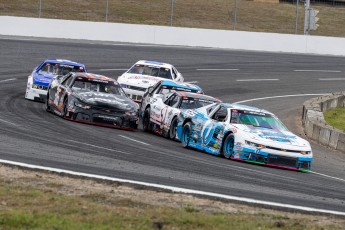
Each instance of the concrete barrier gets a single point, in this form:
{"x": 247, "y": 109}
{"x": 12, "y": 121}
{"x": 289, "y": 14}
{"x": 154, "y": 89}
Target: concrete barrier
{"x": 315, "y": 126}
{"x": 163, "y": 35}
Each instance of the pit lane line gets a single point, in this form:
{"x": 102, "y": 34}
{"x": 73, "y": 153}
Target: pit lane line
{"x": 317, "y": 70}
{"x": 131, "y": 139}
{"x": 11, "y": 79}
{"x": 1, "y": 120}
{"x": 217, "y": 69}
{"x": 331, "y": 79}
{"x": 176, "y": 189}
{"x": 99, "y": 147}
{"x": 272, "y": 79}
{"x": 112, "y": 69}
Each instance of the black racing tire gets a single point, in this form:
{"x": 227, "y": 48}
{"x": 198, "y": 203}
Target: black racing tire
{"x": 146, "y": 120}
{"x": 64, "y": 107}
{"x": 172, "y": 129}
{"x": 186, "y": 131}
{"x": 47, "y": 105}
{"x": 228, "y": 146}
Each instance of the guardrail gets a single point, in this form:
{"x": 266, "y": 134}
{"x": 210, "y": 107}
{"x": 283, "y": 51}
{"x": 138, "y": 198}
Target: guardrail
{"x": 315, "y": 126}
{"x": 176, "y": 36}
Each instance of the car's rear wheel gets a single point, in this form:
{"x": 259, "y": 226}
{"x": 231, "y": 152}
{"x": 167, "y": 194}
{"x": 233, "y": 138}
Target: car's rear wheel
{"x": 172, "y": 129}
{"x": 228, "y": 146}
{"x": 186, "y": 131}
{"x": 146, "y": 120}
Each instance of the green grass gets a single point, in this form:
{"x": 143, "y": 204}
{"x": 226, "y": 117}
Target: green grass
{"x": 215, "y": 14}
{"x": 336, "y": 117}
{"x": 25, "y": 207}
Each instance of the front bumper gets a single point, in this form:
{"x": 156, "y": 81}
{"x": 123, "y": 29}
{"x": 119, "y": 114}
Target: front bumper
{"x": 36, "y": 94}
{"x": 135, "y": 95}
{"x": 279, "y": 159}
{"x": 103, "y": 117}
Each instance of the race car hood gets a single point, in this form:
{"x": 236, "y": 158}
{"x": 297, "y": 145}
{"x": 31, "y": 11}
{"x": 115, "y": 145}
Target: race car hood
{"x": 139, "y": 80}
{"x": 42, "y": 79}
{"x": 106, "y": 100}
{"x": 270, "y": 136}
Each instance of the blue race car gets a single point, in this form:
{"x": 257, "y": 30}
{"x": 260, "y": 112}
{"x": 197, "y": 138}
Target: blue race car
{"x": 244, "y": 133}
{"x": 43, "y": 74}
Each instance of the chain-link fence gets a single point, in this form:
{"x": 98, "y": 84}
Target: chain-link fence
{"x": 277, "y": 16}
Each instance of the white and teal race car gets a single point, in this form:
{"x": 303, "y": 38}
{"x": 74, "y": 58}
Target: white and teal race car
{"x": 244, "y": 133}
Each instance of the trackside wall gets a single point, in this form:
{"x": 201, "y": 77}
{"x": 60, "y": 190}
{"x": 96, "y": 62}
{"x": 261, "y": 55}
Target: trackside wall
{"x": 316, "y": 128}
{"x": 176, "y": 36}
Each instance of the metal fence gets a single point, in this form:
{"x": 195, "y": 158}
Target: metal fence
{"x": 276, "y": 16}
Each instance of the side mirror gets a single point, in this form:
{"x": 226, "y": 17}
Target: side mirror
{"x": 180, "y": 77}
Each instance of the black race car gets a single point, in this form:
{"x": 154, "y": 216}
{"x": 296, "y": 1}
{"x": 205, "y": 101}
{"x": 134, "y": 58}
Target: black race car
{"x": 91, "y": 98}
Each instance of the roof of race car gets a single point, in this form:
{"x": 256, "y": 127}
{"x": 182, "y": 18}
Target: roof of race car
{"x": 197, "y": 95}
{"x": 153, "y": 63}
{"x": 245, "y": 107}
{"x": 171, "y": 83}
{"x": 63, "y": 61}
{"x": 94, "y": 76}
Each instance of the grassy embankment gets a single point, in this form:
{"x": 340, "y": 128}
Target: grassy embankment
{"x": 336, "y": 117}
{"x": 216, "y": 14}
{"x": 38, "y": 200}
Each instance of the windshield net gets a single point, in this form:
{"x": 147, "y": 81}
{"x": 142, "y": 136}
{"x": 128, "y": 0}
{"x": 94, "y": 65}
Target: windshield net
{"x": 58, "y": 69}
{"x": 154, "y": 71}
{"x": 257, "y": 119}
{"x": 96, "y": 85}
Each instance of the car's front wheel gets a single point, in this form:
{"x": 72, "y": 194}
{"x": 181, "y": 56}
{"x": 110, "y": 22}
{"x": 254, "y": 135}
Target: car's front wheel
{"x": 64, "y": 107}
{"x": 186, "y": 131}
{"x": 228, "y": 146}
{"x": 46, "y": 104}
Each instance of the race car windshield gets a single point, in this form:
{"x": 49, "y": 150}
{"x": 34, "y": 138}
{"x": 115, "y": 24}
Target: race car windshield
{"x": 194, "y": 103}
{"x": 58, "y": 69}
{"x": 109, "y": 87}
{"x": 154, "y": 71}
{"x": 263, "y": 120}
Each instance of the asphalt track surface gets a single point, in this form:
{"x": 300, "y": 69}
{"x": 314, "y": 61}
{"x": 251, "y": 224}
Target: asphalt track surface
{"x": 30, "y": 135}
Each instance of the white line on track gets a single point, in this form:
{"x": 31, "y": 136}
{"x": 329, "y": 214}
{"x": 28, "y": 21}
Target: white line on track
{"x": 217, "y": 69}
{"x": 331, "y": 79}
{"x": 336, "y": 178}
{"x": 131, "y": 139}
{"x": 99, "y": 147}
{"x": 7, "y": 122}
{"x": 274, "y": 79}
{"x": 176, "y": 189}
{"x": 11, "y": 79}
{"x": 317, "y": 70}
{"x": 112, "y": 69}
{"x": 295, "y": 95}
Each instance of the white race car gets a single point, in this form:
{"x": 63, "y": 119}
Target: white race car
{"x": 144, "y": 74}
{"x": 244, "y": 133}
{"x": 162, "y": 110}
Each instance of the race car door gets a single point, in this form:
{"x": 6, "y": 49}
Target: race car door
{"x": 212, "y": 130}
{"x": 59, "y": 91}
